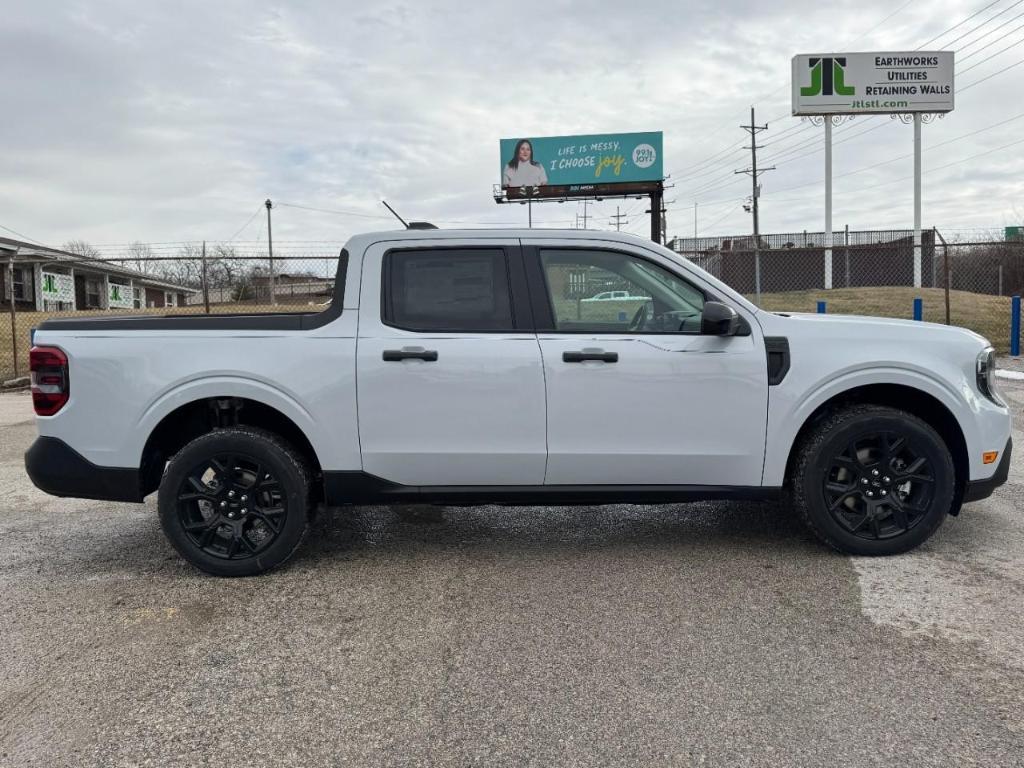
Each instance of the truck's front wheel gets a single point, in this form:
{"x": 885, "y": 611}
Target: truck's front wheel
{"x": 873, "y": 480}
{"x": 235, "y": 502}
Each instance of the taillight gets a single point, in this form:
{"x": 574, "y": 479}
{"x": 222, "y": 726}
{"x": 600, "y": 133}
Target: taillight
{"x": 51, "y": 385}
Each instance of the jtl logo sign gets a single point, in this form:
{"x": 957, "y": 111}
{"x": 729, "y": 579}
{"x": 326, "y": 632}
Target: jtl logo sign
{"x": 827, "y": 73}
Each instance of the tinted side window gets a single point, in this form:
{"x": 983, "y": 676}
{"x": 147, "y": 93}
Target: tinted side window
{"x": 447, "y": 290}
{"x": 612, "y": 292}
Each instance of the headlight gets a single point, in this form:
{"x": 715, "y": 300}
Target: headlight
{"x": 986, "y": 372}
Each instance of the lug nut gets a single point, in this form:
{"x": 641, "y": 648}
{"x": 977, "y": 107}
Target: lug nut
{"x": 886, "y": 479}
{"x": 863, "y": 481}
{"x": 882, "y": 492}
{"x": 231, "y": 494}
{"x": 244, "y": 497}
{"x": 223, "y": 504}
{"x": 870, "y": 495}
{"x": 875, "y": 472}
{"x": 243, "y": 510}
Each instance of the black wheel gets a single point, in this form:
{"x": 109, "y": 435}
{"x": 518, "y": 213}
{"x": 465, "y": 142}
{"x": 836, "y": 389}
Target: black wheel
{"x": 235, "y": 502}
{"x": 872, "y": 480}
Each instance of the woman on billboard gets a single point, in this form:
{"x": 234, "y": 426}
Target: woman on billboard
{"x": 522, "y": 170}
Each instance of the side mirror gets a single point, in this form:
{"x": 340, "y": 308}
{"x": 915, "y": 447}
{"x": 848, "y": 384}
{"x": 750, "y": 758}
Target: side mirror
{"x": 719, "y": 319}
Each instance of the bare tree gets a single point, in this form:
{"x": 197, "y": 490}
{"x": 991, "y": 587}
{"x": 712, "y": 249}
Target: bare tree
{"x": 141, "y": 257}
{"x": 82, "y": 249}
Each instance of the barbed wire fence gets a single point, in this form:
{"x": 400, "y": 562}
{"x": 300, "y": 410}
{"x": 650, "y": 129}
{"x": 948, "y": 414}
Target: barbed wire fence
{"x": 967, "y": 278}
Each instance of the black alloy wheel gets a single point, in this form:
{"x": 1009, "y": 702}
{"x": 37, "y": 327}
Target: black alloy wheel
{"x": 236, "y": 501}
{"x": 873, "y": 480}
{"x": 880, "y": 486}
{"x": 231, "y": 506}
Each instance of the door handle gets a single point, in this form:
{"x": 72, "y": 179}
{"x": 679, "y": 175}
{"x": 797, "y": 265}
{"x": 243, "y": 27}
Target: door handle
{"x": 394, "y": 355}
{"x": 590, "y": 354}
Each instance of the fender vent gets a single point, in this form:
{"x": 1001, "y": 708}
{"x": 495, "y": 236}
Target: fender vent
{"x": 777, "y": 348}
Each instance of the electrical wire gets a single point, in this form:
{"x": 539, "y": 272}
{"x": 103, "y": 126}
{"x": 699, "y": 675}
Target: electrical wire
{"x": 247, "y": 223}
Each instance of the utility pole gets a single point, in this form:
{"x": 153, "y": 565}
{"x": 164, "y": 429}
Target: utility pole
{"x": 270, "y": 249}
{"x": 695, "y": 224}
{"x": 753, "y": 129}
{"x": 585, "y": 216}
{"x": 618, "y": 219}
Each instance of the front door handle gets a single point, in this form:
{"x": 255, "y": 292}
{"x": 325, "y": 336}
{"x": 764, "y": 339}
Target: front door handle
{"x": 394, "y": 355}
{"x": 590, "y": 354}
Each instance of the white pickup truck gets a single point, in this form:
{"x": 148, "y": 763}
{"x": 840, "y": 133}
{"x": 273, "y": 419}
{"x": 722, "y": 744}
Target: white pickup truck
{"x": 461, "y": 367}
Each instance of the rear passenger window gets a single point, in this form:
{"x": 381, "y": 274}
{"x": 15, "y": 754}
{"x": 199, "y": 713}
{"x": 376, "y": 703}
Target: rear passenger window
{"x": 447, "y": 290}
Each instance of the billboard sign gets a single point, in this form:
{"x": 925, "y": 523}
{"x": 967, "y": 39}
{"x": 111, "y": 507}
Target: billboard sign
{"x": 57, "y": 287}
{"x": 1014, "y": 233}
{"x": 558, "y": 166}
{"x": 872, "y": 83}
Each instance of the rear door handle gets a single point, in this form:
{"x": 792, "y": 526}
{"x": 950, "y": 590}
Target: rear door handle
{"x": 395, "y": 355}
{"x": 590, "y": 354}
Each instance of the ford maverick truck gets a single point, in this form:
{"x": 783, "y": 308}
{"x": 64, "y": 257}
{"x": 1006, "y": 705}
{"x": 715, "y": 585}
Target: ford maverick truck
{"x": 515, "y": 367}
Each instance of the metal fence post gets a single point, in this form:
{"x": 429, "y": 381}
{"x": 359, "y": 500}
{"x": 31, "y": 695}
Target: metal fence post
{"x": 918, "y": 309}
{"x": 846, "y": 244}
{"x": 14, "y": 316}
{"x": 1015, "y": 326}
{"x": 206, "y": 287}
{"x": 945, "y": 269}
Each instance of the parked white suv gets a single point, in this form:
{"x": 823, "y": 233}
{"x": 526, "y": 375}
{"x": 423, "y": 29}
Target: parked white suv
{"x": 454, "y": 367}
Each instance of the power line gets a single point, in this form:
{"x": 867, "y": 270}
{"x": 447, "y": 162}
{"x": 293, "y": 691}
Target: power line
{"x": 989, "y": 77}
{"x": 987, "y": 21}
{"x": 247, "y": 223}
{"x": 989, "y": 58}
{"x": 23, "y": 237}
{"x": 869, "y": 31}
{"x": 978, "y": 39}
{"x": 941, "y": 34}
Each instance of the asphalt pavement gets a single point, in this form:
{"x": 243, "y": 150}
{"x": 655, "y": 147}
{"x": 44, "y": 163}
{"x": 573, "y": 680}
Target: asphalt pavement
{"x": 715, "y": 634}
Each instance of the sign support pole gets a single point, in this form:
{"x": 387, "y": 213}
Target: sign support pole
{"x": 828, "y": 202}
{"x": 917, "y": 199}
{"x": 656, "y": 203}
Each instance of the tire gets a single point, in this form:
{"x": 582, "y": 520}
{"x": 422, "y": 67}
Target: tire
{"x": 873, "y": 480}
{"x": 236, "y": 502}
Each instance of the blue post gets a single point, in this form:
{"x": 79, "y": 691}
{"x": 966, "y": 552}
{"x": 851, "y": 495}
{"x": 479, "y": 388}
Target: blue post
{"x": 821, "y": 307}
{"x": 918, "y": 308}
{"x": 1015, "y": 326}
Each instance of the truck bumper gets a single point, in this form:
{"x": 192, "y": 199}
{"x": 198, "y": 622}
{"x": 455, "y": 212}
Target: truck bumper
{"x": 982, "y": 489}
{"x": 59, "y": 470}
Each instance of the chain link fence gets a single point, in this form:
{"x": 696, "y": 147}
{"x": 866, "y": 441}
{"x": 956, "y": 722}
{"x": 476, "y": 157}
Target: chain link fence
{"x": 880, "y": 273}
{"x": 46, "y": 284}
{"x": 962, "y": 280}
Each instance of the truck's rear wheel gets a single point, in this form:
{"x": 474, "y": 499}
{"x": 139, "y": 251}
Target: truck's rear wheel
{"x": 235, "y": 502}
{"x": 873, "y": 480}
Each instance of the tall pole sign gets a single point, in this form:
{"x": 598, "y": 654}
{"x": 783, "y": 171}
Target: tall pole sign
{"x": 912, "y": 86}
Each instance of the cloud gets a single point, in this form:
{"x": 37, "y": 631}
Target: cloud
{"x": 158, "y": 122}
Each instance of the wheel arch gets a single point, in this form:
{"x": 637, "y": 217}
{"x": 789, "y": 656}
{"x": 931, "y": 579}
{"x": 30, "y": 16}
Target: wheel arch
{"x": 922, "y": 404}
{"x": 199, "y": 416}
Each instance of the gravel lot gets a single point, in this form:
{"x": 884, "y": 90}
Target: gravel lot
{"x": 702, "y": 634}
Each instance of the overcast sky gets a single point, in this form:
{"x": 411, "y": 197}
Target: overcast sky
{"x": 164, "y": 122}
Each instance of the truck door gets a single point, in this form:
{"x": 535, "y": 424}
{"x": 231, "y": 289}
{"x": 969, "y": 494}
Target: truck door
{"x": 449, "y": 374}
{"x": 636, "y": 395}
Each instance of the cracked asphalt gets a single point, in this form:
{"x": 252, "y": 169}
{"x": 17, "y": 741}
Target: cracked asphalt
{"x": 715, "y": 634}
